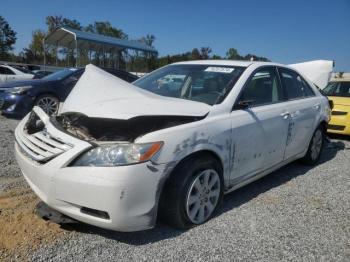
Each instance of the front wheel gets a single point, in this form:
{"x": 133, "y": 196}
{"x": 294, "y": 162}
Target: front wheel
{"x": 48, "y": 103}
{"x": 315, "y": 147}
{"x": 193, "y": 193}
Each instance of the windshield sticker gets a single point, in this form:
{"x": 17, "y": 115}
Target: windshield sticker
{"x": 218, "y": 69}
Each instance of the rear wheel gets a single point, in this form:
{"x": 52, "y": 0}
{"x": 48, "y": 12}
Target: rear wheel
{"x": 315, "y": 147}
{"x": 48, "y": 103}
{"x": 192, "y": 193}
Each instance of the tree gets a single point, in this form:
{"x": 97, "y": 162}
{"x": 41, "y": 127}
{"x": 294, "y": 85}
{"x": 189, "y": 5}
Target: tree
{"x": 205, "y": 52}
{"x": 74, "y": 24}
{"x": 105, "y": 28}
{"x": 35, "y": 51}
{"x": 55, "y": 21}
{"x": 148, "y": 40}
{"x": 7, "y": 38}
{"x": 195, "y": 54}
{"x": 233, "y": 54}
{"x": 252, "y": 57}
{"x": 148, "y": 60}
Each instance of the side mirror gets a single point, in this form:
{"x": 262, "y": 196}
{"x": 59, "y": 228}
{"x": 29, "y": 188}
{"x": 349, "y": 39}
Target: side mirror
{"x": 244, "y": 104}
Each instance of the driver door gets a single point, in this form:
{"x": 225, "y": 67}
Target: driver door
{"x": 259, "y": 125}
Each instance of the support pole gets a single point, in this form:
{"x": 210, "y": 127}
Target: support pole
{"x": 89, "y": 53}
{"x": 77, "y": 55}
{"x": 103, "y": 51}
{"x": 44, "y": 54}
{"x": 57, "y": 53}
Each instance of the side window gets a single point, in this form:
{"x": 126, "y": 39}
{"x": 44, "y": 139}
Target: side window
{"x": 345, "y": 89}
{"x": 2, "y": 70}
{"x": 8, "y": 71}
{"x": 73, "y": 79}
{"x": 291, "y": 84}
{"x": 263, "y": 88}
{"x": 307, "y": 90}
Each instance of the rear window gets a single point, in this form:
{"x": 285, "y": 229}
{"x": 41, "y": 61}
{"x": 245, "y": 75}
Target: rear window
{"x": 337, "y": 89}
{"x": 295, "y": 86}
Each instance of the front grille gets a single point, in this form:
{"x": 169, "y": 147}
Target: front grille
{"x": 41, "y": 146}
{"x": 339, "y": 113}
{"x": 336, "y": 127}
{"x": 37, "y": 143}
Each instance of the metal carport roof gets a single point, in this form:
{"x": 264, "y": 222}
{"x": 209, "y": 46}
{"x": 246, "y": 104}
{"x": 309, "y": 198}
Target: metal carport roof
{"x": 67, "y": 37}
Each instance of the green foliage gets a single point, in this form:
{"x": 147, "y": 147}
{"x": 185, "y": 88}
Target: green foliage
{"x": 56, "y": 21}
{"x": 232, "y": 54}
{"x": 7, "y": 38}
{"x": 35, "y": 52}
{"x": 131, "y": 60}
{"x": 105, "y": 28}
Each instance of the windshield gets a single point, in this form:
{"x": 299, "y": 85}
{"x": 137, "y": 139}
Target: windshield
{"x": 209, "y": 84}
{"x": 337, "y": 89}
{"x": 60, "y": 74}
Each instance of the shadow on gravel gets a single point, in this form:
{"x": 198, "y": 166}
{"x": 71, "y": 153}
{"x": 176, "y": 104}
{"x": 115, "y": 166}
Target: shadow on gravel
{"x": 231, "y": 201}
{"x": 278, "y": 178}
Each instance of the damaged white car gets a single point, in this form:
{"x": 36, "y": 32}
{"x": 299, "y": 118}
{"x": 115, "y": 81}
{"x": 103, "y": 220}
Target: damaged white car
{"x": 118, "y": 155}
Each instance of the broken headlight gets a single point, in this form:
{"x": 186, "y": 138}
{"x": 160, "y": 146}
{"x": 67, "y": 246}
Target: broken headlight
{"x": 107, "y": 155}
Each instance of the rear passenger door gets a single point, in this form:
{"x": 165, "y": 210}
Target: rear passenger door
{"x": 302, "y": 107}
{"x": 259, "y": 132}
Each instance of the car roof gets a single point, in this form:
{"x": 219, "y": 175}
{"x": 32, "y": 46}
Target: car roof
{"x": 226, "y": 63}
{"x": 13, "y": 69}
{"x": 340, "y": 80}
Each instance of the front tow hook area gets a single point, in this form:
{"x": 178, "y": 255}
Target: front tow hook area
{"x": 47, "y": 213}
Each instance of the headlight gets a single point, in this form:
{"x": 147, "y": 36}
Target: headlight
{"x": 18, "y": 90}
{"x": 118, "y": 154}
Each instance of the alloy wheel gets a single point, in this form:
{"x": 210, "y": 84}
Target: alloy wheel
{"x": 203, "y": 196}
{"x": 48, "y": 104}
{"x": 316, "y": 144}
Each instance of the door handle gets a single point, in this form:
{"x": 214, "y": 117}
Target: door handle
{"x": 317, "y": 106}
{"x": 285, "y": 115}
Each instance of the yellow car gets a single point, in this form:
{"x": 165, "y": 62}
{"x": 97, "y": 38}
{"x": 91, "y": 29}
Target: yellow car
{"x": 338, "y": 91}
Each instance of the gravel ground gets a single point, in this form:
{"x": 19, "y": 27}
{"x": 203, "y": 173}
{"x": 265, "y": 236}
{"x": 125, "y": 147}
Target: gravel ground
{"x": 297, "y": 213}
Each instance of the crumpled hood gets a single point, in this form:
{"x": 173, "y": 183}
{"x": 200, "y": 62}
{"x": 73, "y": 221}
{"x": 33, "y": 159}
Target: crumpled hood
{"x": 100, "y": 94}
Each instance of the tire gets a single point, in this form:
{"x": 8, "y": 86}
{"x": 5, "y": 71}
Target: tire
{"x": 49, "y": 103}
{"x": 176, "y": 206}
{"x": 315, "y": 147}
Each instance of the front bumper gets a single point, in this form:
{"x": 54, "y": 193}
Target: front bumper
{"x": 15, "y": 105}
{"x": 128, "y": 194}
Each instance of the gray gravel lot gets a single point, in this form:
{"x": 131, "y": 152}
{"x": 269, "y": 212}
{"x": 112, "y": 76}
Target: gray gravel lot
{"x": 298, "y": 213}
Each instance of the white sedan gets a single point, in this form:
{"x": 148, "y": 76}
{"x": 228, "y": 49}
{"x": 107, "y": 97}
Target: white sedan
{"x": 119, "y": 154}
{"x": 9, "y": 73}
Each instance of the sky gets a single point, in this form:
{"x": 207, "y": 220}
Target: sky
{"x": 283, "y": 31}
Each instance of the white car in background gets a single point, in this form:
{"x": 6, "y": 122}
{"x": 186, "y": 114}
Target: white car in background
{"x": 118, "y": 154}
{"x": 9, "y": 73}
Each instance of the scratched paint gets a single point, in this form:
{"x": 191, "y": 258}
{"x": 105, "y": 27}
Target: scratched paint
{"x": 243, "y": 140}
